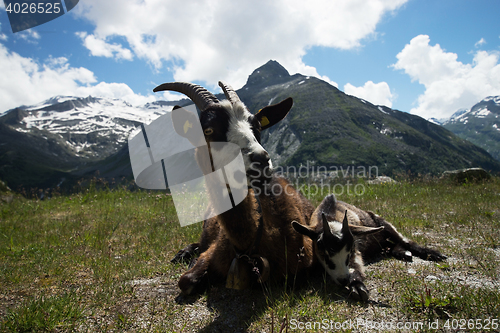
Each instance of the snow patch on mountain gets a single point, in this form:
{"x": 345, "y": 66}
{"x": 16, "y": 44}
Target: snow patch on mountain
{"x": 91, "y": 127}
{"x": 479, "y": 125}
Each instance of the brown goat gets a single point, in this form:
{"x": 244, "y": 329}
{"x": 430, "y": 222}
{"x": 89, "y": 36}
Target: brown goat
{"x": 255, "y": 235}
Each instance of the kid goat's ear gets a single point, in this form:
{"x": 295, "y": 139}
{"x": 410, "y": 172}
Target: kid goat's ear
{"x": 304, "y": 230}
{"x": 272, "y": 114}
{"x": 358, "y": 230}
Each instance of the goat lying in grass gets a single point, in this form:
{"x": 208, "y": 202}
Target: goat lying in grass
{"x": 255, "y": 235}
{"x": 341, "y": 247}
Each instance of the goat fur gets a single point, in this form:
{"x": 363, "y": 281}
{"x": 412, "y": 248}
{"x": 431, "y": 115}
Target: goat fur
{"x": 373, "y": 237}
{"x": 234, "y": 231}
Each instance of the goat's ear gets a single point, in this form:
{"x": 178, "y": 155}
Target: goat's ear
{"x": 359, "y": 230}
{"x": 304, "y": 230}
{"x": 187, "y": 124}
{"x": 272, "y": 114}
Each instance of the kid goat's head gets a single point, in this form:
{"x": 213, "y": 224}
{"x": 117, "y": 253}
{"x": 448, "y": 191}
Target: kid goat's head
{"x": 227, "y": 121}
{"x": 334, "y": 244}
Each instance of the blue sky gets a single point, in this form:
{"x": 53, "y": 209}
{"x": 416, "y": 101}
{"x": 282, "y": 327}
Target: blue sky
{"x": 425, "y": 57}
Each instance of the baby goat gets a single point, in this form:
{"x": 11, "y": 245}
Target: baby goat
{"x": 255, "y": 235}
{"x": 341, "y": 247}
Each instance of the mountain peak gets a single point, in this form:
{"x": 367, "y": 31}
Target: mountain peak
{"x": 271, "y": 72}
{"x": 479, "y": 125}
{"x": 495, "y": 99}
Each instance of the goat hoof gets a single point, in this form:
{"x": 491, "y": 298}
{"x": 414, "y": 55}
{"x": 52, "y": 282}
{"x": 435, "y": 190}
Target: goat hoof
{"x": 187, "y": 254}
{"x": 359, "y": 292}
{"x": 436, "y": 256}
{"x": 192, "y": 284}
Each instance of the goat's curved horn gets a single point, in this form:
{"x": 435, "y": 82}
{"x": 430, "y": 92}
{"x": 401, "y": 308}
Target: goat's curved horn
{"x": 199, "y": 95}
{"x": 231, "y": 95}
{"x": 326, "y": 227}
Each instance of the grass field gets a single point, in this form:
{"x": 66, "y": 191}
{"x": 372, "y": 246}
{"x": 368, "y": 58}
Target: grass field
{"x": 99, "y": 261}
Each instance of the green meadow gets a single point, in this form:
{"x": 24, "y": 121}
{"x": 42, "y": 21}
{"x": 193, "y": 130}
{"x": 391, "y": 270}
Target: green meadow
{"x": 99, "y": 261}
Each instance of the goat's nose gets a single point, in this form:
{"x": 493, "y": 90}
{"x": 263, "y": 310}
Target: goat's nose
{"x": 261, "y": 158}
{"x": 343, "y": 281}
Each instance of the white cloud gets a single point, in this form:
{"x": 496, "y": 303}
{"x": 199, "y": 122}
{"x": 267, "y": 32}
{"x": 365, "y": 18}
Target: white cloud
{"x": 24, "y": 81}
{"x": 450, "y": 84}
{"x": 98, "y": 47}
{"x": 30, "y": 36}
{"x": 213, "y": 40}
{"x": 480, "y": 42}
{"x": 375, "y": 93}
{"x": 3, "y": 37}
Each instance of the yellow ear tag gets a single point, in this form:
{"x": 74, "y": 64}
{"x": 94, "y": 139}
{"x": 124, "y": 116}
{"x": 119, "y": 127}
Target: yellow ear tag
{"x": 264, "y": 121}
{"x": 187, "y": 125}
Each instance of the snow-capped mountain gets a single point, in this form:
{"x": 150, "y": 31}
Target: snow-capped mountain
{"x": 442, "y": 121}
{"x": 480, "y": 125}
{"x": 90, "y": 127}
{"x": 65, "y": 139}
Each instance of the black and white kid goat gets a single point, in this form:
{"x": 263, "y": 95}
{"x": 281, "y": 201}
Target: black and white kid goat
{"x": 342, "y": 247}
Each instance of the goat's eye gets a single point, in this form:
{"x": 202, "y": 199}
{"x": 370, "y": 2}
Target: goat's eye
{"x": 208, "y": 131}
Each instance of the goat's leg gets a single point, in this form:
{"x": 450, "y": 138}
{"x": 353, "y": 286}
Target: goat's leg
{"x": 208, "y": 235}
{"x": 400, "y": 252}
{"x": 422, "y": 251}
{"x": 195, "y": 279}
{"x": 187, "y": 254}
{"x": 212, "y": 264}
{"x": 357, "y": 277}
{"x": 402, "y": 245}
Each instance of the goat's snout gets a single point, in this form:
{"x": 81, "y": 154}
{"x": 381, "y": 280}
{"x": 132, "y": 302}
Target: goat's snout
{"x": 261, "y": 159}
{"x": 344, "y": 281}
{"x": 260, "y": 166}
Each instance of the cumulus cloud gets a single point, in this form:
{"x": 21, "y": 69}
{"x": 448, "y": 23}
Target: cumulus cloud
{"x": 25, "y": 81}
{"x": 449, "y": 83}
{"x": 30, "y": 36}
{"x": 375, "y": 93}
{"x": 100, "y": 48}
{"x": 480, "y": 42}
{"x": 213, "y": 40}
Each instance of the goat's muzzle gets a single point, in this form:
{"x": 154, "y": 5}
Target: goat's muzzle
{"x": 343, "y": 281}
{"x": 261, "y": 159}
{"x": 260, "y": 170}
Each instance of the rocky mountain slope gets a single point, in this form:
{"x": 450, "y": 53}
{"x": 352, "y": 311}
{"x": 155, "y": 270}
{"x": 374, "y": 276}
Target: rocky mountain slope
{"x": 328, "y": 128}
{"x": 479, "y": 125}
{"x": 66, "y": 138}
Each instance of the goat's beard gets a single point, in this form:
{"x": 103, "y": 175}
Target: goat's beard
{"x": 259, "y": 178}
